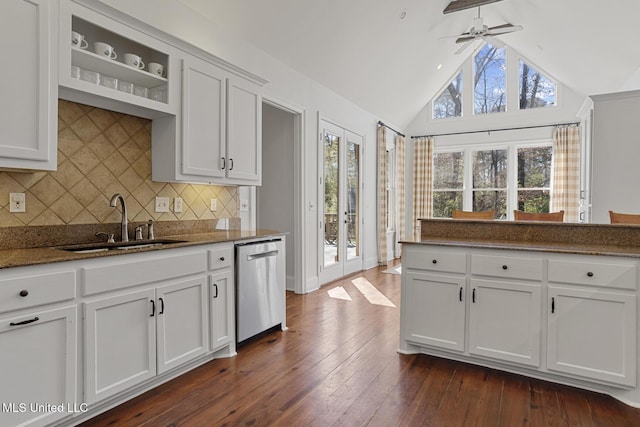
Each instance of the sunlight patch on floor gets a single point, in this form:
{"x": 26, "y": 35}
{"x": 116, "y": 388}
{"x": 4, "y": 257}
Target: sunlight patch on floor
{"x": 371, "y": 293}
{"x": 339, "y": 293}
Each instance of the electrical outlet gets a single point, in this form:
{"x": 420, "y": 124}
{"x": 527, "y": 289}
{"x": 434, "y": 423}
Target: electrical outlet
{"x": 162, "y": 204}
{"x": 177, "y": 204}
{"x": 17, "y": 202}
{"x": 244, "y": 205}
{"x": 214, "y": 205}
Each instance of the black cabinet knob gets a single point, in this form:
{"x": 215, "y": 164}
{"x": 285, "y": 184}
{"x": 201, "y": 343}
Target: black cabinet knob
{"x": 504, "y": 267}
{"x": 435, "y": 261}
{"x": 24, "y": 293}
{"x": 221, "y": 258}
{"x": 590, "y": 274}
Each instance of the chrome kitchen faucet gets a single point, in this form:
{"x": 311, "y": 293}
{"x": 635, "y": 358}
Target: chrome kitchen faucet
{"x": 124, "y": 232}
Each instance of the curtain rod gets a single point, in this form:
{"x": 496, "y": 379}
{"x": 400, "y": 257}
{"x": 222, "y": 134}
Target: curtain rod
{"x": 390, "y": 128}
{"x": 496, "y": 130}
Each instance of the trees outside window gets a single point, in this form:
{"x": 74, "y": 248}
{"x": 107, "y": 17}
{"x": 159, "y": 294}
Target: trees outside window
{"x": 536, "y": 90}
{"x": 449, "y": 102}
{"x": 489, "y": 80}
{"x": 448, "y": 183}
{"x": 502, "y": 179}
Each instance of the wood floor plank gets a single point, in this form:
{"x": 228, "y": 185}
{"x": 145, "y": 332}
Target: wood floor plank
{"x": 338, "y": 365}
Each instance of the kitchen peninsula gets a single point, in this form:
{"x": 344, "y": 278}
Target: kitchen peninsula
{"x": 548, "y": 300}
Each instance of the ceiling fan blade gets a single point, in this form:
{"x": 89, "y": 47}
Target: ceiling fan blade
{"x": 465, "y": 39}
{"x": 503, "y": 29}
{"x": 463, "y": 47}
{"x": 458, "y": 5}
{"x": 454, "y": 36}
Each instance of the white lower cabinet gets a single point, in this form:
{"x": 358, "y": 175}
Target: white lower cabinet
{"x": 38, "y": 366}
{"x": 565, "y": 317}
{"x": 440, "y": 319}
{"x": 221, "y": 294}
{"x": 504, "y": 321}
{"x": 133, "y": 337}
{"x": 592, "y": 334}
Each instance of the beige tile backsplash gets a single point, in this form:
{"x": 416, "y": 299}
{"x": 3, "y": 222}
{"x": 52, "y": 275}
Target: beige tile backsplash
{"x": 101, "y": 153}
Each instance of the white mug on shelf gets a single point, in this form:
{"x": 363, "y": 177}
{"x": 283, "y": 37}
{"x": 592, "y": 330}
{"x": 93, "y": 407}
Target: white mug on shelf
{"x": 104, "y": 49}
{"x": 133, "y": 60}
{"x": 157, "y": 69}
{"x": 77, "y": 40}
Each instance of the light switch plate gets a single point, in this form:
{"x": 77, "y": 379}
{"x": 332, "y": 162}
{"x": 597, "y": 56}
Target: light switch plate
{"x": 177, "y": 204}
{"x": 17, "y": 202}
{"x": 162, "y": 204}
{"x": 244, "y": 205}
{"x": 214, "y": 205}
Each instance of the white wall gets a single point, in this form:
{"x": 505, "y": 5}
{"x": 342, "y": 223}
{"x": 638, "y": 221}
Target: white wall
{"x": 286, "y": 84}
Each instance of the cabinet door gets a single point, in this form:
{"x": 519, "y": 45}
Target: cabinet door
{"x": 182, "y": 322}
{"x": 435, "y": 311}
{"x": 592, "y": 334}
{"x": 203, "y": 119}
{"x": 222, "y": 316}
{"x": 244, "y": 132}
{"x": 120, "y": 343}
{"x": 504, "y": 321}
{"x": 29, "y": 105}
{"x": 38, "y": 361}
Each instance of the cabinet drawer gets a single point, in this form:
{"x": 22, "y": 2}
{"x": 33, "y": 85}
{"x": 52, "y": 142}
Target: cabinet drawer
{"x": 435, "y": 260}
{"x": 37, "y": 289}
{"x": 109, "y": 276}
{"x": 505, "y": 266}
{"x": 615, "y": 275}
{"x": 221, "y": 257}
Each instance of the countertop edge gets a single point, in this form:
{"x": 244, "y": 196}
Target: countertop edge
{"x": 12, "y": 258}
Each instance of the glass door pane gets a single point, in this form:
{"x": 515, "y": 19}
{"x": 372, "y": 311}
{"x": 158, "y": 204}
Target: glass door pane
{"x": 353, "y": 200}
{"x": 331, "y": 198}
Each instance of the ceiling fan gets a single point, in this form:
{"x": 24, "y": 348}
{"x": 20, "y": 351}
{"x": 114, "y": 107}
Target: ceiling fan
{"x": 479, "y": 31}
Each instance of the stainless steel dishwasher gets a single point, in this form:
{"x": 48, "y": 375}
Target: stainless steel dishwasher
{"x": 260, "y": 287}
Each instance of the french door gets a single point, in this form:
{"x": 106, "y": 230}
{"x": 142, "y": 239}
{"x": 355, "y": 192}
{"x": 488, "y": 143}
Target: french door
{"x": 340, "y": 203}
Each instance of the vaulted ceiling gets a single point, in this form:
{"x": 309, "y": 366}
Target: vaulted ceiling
{"x": 384, "y": 55}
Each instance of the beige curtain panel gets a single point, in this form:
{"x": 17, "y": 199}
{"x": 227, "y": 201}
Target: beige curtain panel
{"x": 422, "y": 181}
{"x": 382, "y": 195}
{"x": 565, "y": 194}
{"x": 400, "y": 188}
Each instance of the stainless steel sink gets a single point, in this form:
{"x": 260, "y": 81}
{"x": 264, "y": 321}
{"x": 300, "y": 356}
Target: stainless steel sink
{"x": 117, "y": 246}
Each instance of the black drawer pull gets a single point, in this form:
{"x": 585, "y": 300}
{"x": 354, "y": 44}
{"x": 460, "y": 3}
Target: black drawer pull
{"x": 590, "y": 273}
{"x": 504, "y": 267}
{"x": 24, "y": 293}
{"x": 24, "y": 322}
{"x": 435, "y": 261}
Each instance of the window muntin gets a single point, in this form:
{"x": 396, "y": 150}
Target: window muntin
{"x": 489, "y": 74}
{"x": 534, "y": 179}
{"x": 449, "y": 102}
{"x": 536, "y": 90}
{"x": 448, "y": 183}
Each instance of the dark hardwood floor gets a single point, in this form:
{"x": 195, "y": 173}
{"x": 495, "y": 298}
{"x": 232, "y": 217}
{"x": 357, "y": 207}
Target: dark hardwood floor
{"x": 337, "y": 365}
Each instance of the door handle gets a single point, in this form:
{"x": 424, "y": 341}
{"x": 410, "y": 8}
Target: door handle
{"x": 215, "y": 286}
{"x": 153, "y": 308}
{"x": 224, "y": 163}
{"x": 161, "y": 306}
{"x": 460, "y": 296}
{"x": 473, "y": 296}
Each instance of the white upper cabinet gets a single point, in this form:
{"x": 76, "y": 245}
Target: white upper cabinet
{"x": 217, "y": 136}
{"x": 141, "y": 86}
{"x": 29, "y": 105}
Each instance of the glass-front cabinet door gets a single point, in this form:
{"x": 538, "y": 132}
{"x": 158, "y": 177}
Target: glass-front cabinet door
{"x": 340, "y": 186}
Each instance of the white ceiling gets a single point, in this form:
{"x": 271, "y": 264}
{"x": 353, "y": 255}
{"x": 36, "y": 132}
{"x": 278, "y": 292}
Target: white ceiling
{"x": 364, "y": 51}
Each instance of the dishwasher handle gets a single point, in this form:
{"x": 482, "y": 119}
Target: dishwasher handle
{"x": 262, "y": 255}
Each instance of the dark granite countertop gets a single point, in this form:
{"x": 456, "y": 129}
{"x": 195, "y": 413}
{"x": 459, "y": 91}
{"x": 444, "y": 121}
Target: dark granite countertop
{"x": 18, "y": 257}
{"x": 571, "y": 238}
